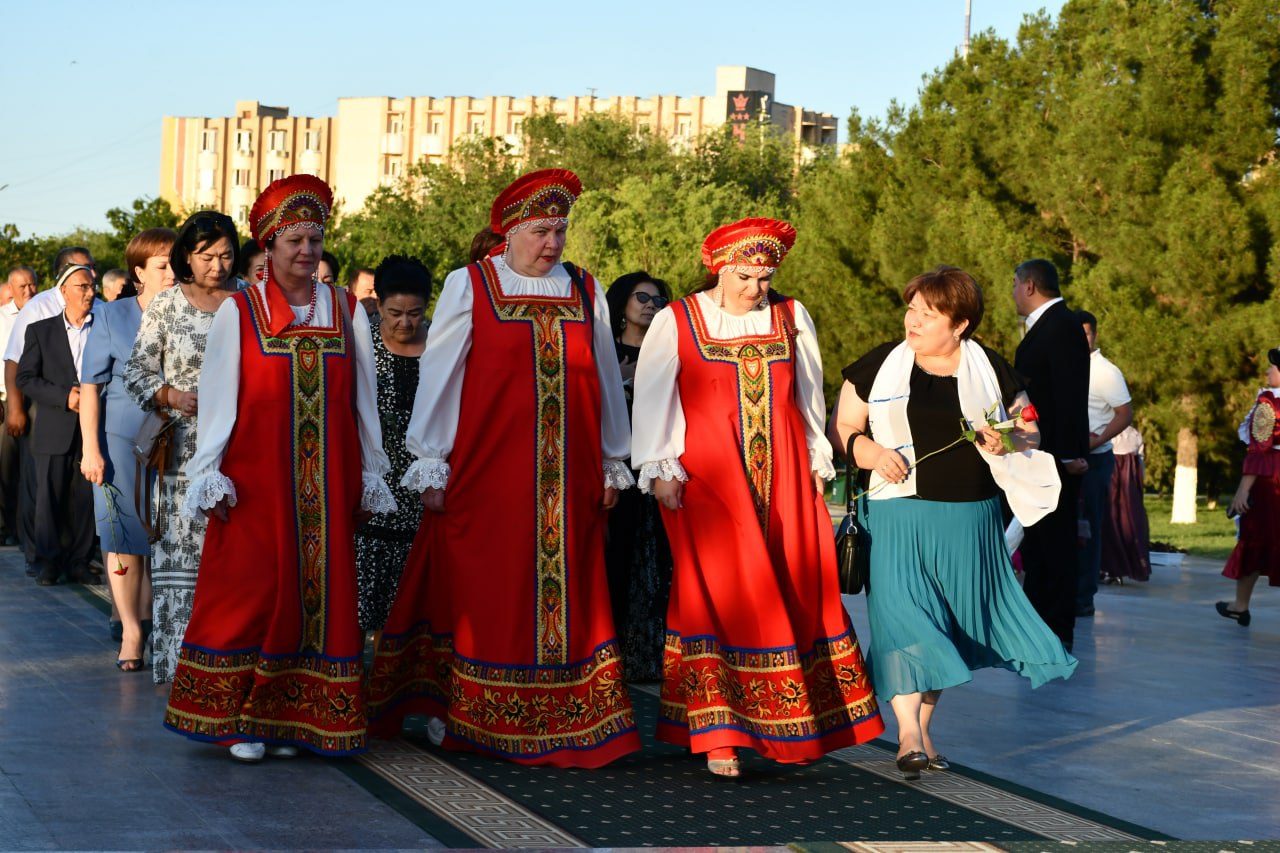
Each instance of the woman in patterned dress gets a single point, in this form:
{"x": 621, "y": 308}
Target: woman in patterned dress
{"x": 403, "y": 288}
{"x": 164, "y": 372}
{"x": 501, "y": 629}
{"x": 728, "y": 423}
{"x": 288, "y": 464}
{"x": 1257, "y": 500}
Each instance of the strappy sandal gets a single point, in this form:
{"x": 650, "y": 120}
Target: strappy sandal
{"x": 130, "y": 665}
{"x": 725, "y": 763}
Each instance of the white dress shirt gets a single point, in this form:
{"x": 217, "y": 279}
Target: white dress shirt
{"x": 77, "y": 337}
{"x": 658, "y": 440}
{"x": 1107, "y": 390}
{"x": 8, "y": 314}
{"x": 1039, "y": 312}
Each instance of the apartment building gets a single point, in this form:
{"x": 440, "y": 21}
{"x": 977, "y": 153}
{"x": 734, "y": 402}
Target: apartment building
{"x": 225, "y": 162}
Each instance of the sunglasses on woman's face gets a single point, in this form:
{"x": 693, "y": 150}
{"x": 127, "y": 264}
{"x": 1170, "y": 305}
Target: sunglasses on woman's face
{"x": 644, "y": 298}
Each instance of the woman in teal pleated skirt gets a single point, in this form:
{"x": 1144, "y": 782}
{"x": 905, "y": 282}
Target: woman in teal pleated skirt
{"x": 943, "y": 599}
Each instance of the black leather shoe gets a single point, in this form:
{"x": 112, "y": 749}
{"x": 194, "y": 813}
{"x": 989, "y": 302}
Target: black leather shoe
{"x": 47, "y": 577}
{"x": 1241, "y": 616}
{"x": 939, "y": 763}
{"x": 911, "y": 764}
{"x": 32, "y": 570}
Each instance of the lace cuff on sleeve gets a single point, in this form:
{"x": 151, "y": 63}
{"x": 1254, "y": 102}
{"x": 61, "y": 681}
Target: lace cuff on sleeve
{"x": 376, "y": 495}
{"x": 426, "y": 474}
{"x": 204, "y": 492}
{"x": 665, "y": 469}
{"x": 820, "y": 464}
{"x": 617, "y": 475}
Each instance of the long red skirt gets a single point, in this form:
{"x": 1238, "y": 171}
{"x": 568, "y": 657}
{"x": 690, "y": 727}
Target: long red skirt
{"x": 1258, "y": 549}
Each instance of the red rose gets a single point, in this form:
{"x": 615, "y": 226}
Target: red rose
{"x": 1029, "y": 415}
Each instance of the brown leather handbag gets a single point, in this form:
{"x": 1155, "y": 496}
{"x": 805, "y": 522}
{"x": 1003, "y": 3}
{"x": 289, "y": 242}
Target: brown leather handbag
{"x": 152, "y": 452}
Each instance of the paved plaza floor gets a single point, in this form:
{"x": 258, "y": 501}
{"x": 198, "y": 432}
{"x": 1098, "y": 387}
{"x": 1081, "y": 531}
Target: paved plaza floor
{"x": 1172, "y": 722}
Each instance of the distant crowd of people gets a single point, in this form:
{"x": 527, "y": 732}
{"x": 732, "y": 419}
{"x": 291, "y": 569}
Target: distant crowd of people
{"x": 550, "y": 489}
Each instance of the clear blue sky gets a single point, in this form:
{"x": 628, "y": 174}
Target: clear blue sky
{"x": 84, "y": 85}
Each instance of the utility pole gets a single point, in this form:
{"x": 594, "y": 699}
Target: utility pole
{"x": 964, "y": 46}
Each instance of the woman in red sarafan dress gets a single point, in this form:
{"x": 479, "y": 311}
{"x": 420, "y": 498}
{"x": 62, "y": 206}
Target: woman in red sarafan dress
{"x": 1257, "y": 501}
{"x": 288, "y": 461}
{"x": 501, "y": 631}
{"x": 729, "y": 419}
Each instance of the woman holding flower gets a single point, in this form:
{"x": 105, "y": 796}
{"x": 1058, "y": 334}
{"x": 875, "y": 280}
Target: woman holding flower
{"x": 943, "y": 598}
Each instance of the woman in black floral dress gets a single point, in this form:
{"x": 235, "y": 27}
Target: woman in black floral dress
{"x": 637, "y": 556}
{"x": 403, "y": 287}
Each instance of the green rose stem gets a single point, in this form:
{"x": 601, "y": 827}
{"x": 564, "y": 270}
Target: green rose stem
{"x": 110, "y": 493}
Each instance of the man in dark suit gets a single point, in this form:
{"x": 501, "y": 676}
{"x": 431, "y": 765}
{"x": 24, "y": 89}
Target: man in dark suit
{"x": 1054, "y": 359}
{"x": 49, "y": 373}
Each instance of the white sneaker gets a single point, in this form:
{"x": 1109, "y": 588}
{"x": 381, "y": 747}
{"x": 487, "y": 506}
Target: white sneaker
{"x": 248, "y": 752}
{"x": 436, "y": 730}
{"x": 282, "y": 751}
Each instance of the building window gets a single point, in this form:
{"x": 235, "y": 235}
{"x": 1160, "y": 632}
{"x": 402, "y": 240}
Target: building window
{"x": 517, "y": 124}
{"x": 392, "y": 168}
{"x": 241, "y": 178}
{"x": 682, "y": 129}
{"x": 477, "y": 125}
{"x": 311, "y": 140}
{"x": 435, "y": 128}
{"x": 244, "y": 140}
{"x": 397, "y": 124}
{"x": 276, "y": 140}
{"x": 242, "y": 213}
{"x": 275, "y": 174}
{"x": 209, "y": 140}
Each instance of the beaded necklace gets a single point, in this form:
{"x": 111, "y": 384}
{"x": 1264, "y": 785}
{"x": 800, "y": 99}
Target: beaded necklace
{"x": 311, "y": 309}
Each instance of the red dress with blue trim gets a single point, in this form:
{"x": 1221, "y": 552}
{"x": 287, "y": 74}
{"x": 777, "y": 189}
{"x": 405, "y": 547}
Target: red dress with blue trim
{"x": 1257, "y": 549}
{"x": 760, "y": 652}
{"x": 273, "y": 652}
{"x": 502, "y": 625}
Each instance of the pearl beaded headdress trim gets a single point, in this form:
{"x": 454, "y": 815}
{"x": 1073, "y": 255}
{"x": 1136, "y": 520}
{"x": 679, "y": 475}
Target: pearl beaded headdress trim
{"x": 749, "y": 243}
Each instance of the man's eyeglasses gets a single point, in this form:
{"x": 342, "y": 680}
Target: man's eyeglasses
{"x": 644, "y": 298}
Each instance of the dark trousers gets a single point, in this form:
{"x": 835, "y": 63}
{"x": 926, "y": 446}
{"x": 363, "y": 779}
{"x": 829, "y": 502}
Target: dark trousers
{"x": 1049, "y": 561}
{"x": 64, "y": 523}
{"x": 9, "y": 480}
{"x": 1095, "y": 509}
{"x": 26, "y": 520}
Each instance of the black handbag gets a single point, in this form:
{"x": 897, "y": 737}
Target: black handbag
{"x": 853, "y": 545}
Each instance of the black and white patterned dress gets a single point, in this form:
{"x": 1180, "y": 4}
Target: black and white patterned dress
{"x": 170, "y": 349}
{"x": 382, "y": 545}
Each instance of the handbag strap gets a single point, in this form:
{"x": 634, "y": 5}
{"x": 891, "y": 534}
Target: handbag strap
{"x": 849, "y": 465}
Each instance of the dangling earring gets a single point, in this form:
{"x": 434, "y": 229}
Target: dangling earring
{"x": 266, "y": 266}
{"x": 720, "y": 289}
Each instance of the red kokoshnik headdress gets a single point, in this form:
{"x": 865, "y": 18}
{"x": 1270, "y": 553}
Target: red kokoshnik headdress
{"x": 754, "y": 242}
{"x": 545, "y": 194}
{"x": 290, "y": 203}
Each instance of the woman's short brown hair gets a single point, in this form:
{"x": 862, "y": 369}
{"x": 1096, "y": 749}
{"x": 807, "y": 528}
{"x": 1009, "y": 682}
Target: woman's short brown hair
{"x": 147, "y": 244}
{"x": 951, "y": 291}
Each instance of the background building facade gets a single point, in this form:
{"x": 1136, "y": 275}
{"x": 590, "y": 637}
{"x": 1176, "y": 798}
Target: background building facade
{"x": 225, "y": 162}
